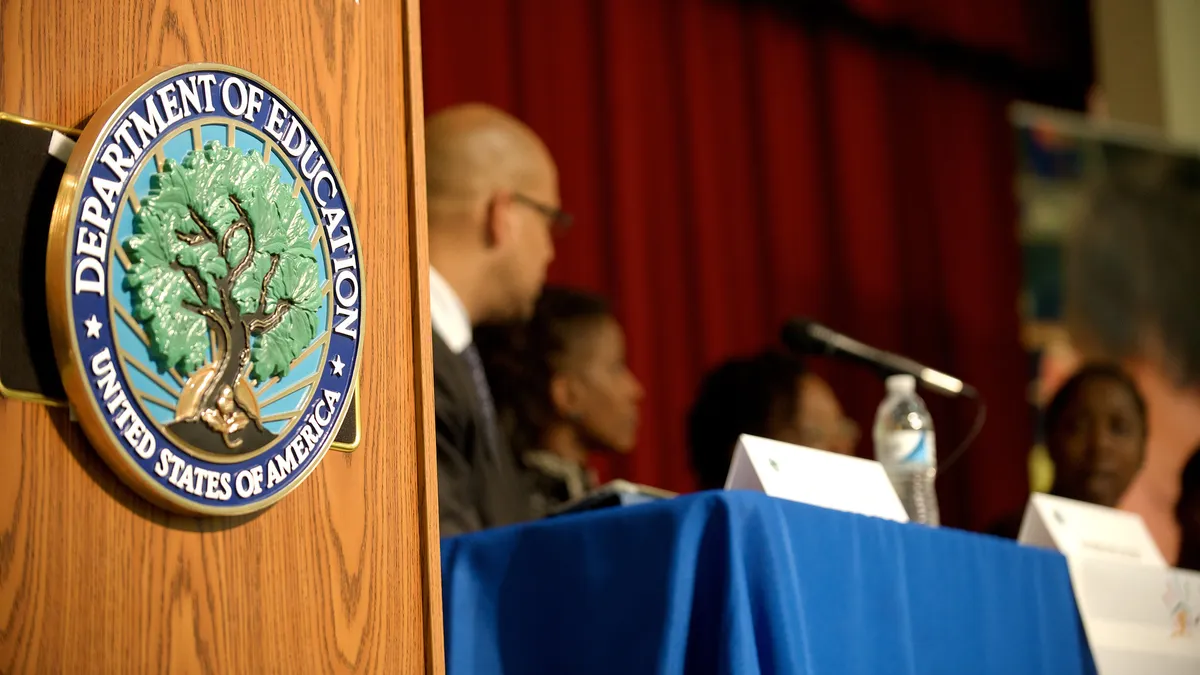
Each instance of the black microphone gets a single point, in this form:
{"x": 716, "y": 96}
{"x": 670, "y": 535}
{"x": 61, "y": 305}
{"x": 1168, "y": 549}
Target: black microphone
{"x": 809, "y": 337}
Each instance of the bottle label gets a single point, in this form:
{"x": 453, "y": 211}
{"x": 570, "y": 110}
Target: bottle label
{"x": 909, "y": 446}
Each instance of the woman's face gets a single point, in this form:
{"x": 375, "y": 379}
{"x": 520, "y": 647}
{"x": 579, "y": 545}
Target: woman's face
{"x": 1098, "y": 443}
{"x": 600, "y": 396}
{"x": 816, "y": 419}
{"x": 820, "y": 419}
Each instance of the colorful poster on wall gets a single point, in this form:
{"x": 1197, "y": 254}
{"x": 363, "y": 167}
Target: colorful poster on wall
{"x": 1059, "y": 156}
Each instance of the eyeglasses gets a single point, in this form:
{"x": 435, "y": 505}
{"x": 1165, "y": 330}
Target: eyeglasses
{"x": 559, "y": 219}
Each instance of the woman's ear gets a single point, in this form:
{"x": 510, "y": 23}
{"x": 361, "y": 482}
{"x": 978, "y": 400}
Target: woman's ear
{"x": 564, "y": 397}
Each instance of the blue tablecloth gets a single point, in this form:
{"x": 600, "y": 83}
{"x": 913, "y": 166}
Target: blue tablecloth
{"x": 743, "y": 583}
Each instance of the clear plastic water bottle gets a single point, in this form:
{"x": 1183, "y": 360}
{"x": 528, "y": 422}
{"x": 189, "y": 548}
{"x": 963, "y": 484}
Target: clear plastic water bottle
{"x": 904, "y": 445}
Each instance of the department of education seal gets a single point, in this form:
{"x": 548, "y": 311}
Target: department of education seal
{"x": 205, "y": 290}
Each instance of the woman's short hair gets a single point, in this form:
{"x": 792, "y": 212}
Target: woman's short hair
{"x": 521, "y": 360}
{"x": 740, "y": 396}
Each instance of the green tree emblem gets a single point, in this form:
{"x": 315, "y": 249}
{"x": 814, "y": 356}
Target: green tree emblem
{"x": 221, "y": 257}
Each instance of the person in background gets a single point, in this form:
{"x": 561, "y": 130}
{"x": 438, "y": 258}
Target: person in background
{"x": 1096, "y": 435}
{"x": 1187, "y": 512}
{"x": 1095, "y": 428}
{"x": 563, "y": 390}
{"x": 758, "y": 395}
{"x": 493, "y": 199}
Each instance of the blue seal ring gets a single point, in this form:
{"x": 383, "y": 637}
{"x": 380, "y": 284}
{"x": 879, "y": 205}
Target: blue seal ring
{"x": 125, "y": 386}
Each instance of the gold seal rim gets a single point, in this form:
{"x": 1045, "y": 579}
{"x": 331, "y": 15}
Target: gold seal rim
{"x": 62, "y": 321}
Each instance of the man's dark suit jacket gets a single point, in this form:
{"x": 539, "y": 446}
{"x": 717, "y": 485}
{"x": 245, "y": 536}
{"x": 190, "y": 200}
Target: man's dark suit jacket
{"x": 477, "y": 489}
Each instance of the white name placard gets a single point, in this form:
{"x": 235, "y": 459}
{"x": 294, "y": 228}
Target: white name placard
{"x": 814, "y": 477}
{"x": 1140, "y": 615}
{"x": 1139, "y": 619}
{"x": 1079, "y": 530}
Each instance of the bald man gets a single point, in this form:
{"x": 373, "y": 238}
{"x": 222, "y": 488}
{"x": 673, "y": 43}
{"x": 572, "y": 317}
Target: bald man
{"x": 493, "y": 201}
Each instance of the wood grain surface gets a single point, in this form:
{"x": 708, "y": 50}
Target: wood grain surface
{"x": 343, "y": 574}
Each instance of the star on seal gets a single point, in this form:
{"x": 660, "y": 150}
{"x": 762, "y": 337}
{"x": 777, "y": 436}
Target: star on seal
{"x": 93, "y": 326}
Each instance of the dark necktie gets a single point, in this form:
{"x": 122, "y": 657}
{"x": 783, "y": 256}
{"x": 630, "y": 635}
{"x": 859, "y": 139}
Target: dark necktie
{"x": 486, "y": 404}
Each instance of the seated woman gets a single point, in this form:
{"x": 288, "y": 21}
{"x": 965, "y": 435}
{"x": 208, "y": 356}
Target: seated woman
{"x": 1095, "y": 430}
{"x": 769, "y": 395}
{"x": 562, "y": 390}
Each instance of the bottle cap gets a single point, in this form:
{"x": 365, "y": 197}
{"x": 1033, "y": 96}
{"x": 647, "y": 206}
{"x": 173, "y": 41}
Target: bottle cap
{"x": 901, "y": 384}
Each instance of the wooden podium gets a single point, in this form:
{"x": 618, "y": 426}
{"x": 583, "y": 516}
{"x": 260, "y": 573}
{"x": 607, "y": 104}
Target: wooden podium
{"x": 342, "y": 575}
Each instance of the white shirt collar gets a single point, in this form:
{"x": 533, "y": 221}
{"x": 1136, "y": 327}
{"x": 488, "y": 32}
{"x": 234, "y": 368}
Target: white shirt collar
{"x": 449, "y": 316}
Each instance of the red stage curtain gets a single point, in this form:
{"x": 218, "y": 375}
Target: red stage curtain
{"x": 730, "y": 167}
